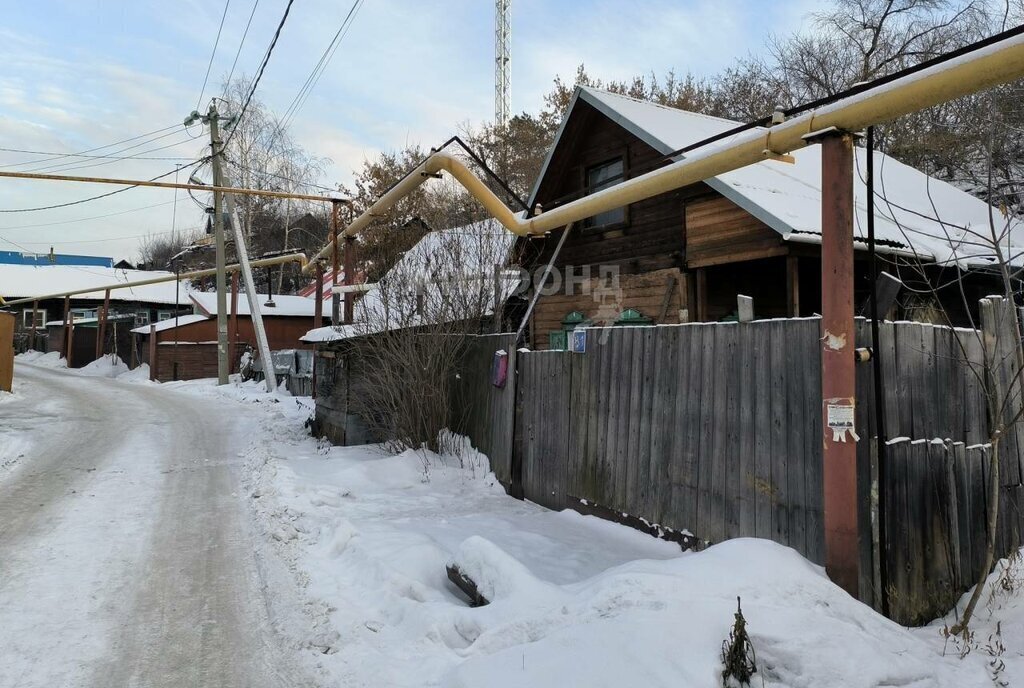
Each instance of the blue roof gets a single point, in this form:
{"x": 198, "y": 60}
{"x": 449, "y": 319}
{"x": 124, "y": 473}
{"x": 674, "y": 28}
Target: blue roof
{"x": 20, "y": 258}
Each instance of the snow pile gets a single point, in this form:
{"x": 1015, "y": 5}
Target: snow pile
{"x": 574, "y": 600}
{"x": 37, "y": 358}
{"x": 109, "y": 365}
{"x": 139, "y": 373}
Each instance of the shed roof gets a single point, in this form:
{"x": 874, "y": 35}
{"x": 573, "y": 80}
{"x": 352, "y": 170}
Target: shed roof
{"x": 284, "y": 305}
{"x": 171, "y": 323}
{"x": 913, "y": 211}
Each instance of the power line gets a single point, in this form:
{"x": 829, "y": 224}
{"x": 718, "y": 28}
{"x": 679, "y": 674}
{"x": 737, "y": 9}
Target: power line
{"x": 213, "y": 54}
{"x": 183, "y": 230}
{"x": 241, "y": 43}
{"x": 93, "y": 157}
{"x": 321, "y": 65}
{"x": 58, "y": 156}
{"x": 85, "y": 219}
{"x": 259, "y": 74}
{"x": 69, "y": 166}
{"x": 281, "y": 177}
{"x": 106, "y": 195}
{"x": 118, "y": 151}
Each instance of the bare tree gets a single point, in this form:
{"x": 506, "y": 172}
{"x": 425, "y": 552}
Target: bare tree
{"x": 412, "y": 326}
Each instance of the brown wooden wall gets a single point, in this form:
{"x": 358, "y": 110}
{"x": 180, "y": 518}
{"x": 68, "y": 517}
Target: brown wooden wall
{"x": 719, "y": 231}
{"x": 282, "y": 333}
{"x": 194, "y": 361}
{"x": 658, "y": 295}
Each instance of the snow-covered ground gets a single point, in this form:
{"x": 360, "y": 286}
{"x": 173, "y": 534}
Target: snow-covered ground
{"x": 577, "y": 601}
{"x": 352, "y": 545}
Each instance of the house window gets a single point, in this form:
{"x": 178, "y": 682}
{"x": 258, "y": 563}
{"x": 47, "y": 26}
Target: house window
{"x": 164, "y": 315}
{"x": 26, "y": 319}
{"x": 141, "y": 318}
{"x": 601, "y": 177}
{"x": 82, "y": 313}
{"x": 558, "y": 340}
{"x": 632, "y": 316}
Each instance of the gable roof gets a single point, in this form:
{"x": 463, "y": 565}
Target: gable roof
{"x": 915, "y": 213}
{"x": 409, "y": 294}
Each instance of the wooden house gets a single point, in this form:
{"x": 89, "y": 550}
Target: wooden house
{"x": 185, "y": 348}
{"x": 40, "y": 324}
{"x": 686, "y": 255}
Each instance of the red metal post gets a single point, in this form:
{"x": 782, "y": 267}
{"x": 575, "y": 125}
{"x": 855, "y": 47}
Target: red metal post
{"x": 837, "y": 362}
{"x": 350, "y": 274}
{"x": 335, "y": 221}
{"x": 153, "y": 363}
{"x": 318, "y": 307}
{"x": 101, "y": 332}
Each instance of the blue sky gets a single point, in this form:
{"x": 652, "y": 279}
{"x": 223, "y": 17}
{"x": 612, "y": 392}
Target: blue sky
{"x": 80, "y": 74}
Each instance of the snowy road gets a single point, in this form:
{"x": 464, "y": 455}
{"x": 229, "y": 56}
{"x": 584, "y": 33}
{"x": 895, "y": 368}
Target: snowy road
{"x": 126, "y": 555}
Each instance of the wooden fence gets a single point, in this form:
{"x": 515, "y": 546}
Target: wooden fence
{"x": 715, "y": 430}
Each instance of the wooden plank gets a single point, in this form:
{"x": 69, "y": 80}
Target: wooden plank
{"x": 746, "y": 483}
{"x": 704, "y": 411}
{"x": 963, "y": 515}
{"x": 643, "y": 486}
{"x": 714, "y": 509}
{"x": 796, "y": 425}
{"x": 764, "y": 494}
{"x": 627, "y": 363}
{"x": 905, "y": 372}
{"x": 813, "y": 467}
{"x": 683, "y": 466}
{"x": 629, "y": 487}
{"x": 915, "y": 484}
{"x": 779, "y": 440}
{"x": 731, "y": 475}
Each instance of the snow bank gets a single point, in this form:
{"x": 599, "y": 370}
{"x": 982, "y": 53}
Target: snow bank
{"x": 575, "y": 600}
{"x": 47, "y": 360}
{"x": 139, "y": 373}
{"x": 109, "y": 365}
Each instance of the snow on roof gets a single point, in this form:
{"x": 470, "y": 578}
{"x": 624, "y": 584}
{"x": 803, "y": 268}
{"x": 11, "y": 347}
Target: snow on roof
{"x": 913, "y": 211}
{"x": 26, "y": 281}
{"x": 410, "y": 295}
{"x": 171, "y": 323}
{"x": 284, "y": 305}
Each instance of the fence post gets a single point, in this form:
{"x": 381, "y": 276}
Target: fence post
{"x": 1002, "y": 364}
{"x": 838, "y": 381}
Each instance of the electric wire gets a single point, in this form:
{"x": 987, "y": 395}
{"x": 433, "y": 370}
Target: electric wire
{"x": 71, "y": 166}
{"x": 213, "y": 54}
{"x": 259, "y": 74}
{"x": 58, "y": 156}
{"x": 118, "y": 151}
{"x": 318, "y": 69}
{"x": 105, "y": 195}
{"x": 227, "y": 84}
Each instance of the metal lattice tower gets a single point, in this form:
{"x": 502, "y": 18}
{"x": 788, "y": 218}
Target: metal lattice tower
{"x": 502, "y": 60}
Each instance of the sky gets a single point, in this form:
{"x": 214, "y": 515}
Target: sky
{"x": 81, "y": 74}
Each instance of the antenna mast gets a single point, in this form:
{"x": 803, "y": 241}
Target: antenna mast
{"x": 502, "y": 60}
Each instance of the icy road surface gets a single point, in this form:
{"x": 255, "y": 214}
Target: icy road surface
{"x": 126, "y": 555}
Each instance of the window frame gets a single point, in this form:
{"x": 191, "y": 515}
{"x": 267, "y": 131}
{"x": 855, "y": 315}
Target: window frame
{"x": 590, "y": 222}
{"x": 26, "y": 316}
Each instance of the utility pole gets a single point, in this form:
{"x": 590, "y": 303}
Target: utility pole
{"x": 223, "y": 366}
{"x": 212, "y": 118}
